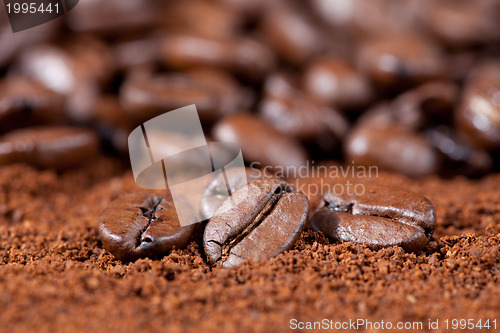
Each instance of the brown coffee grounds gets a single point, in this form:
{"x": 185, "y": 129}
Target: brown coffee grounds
{"x": 55, "y": 275}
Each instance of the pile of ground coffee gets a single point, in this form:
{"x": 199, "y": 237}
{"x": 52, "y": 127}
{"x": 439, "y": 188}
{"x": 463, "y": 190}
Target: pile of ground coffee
{"x": 55, "y": 275}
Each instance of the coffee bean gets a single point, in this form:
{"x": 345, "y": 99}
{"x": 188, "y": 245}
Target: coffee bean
{"x": 48, "y": 147}
{"x": 112, "y": 123}
{"x": 478, "y": 115}
{"x": 369, "y": 18}
{"x": 292, "y": 33}
{"x": 210, "y": 19}
{"x": 269, "y": 148}
{"x": 113, "y": 16}
{"x": 459, "y": 156}
{"x": 77, "y": 77}
{"x": 145, "y": 224}
{"x": 41, "y": 62}
{"x": 402, "y": 58}
{"x": 214, "y": 92}
{"x": 24, "y": 102}
{"x": 290, "y": 111}
{"x": 472, "y": 21}
{"x": 381, "y": 217}
{"x": 217, "y": 191}
{"x": 243, "y": 55}
{"x": 258, "y": 222}
{"x": 145, "y": 97}
{"x": 136, "y": 52}
{"x": 334, "y": 81}
{"x": 429, "y": 104}
{"x": 391, "y": 146}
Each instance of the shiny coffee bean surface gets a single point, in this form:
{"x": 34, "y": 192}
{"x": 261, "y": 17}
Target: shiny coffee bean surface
{"x": 142, "y": 224}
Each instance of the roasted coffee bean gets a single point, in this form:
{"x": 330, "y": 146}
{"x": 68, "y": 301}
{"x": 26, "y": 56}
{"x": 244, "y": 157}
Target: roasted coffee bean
{"x": 112, "y": 123}
{"x": 113, "y": 16}
{"x": 478, "y": 115}
{"x": 136, "y": 52}
{"x": 334, "y": 81}
{"x": 145, "y": 224}
{"x": 258, "y": 222}
{"x": 459, "y": 156}
{"x": 462, "y": 23}
{"x": 401, "y": 58}
{"x": 393, "y": 147}
{"x": 48, "y": 147}
{"x": 50, "y": 66}
{"x": 380, "y": 217}
{"x": 215, "y": 94}
{"x": 216, "y": 192}
{"x": 376, "y": 17}
{"x": 290, "y": 111}
{"x": 429, "y": 104}
{"x": 210, "y": 19}
{"x": 242, "y": 55}
{"x": 24, "y": 102}
{"x": 260, "y": 142}
{"x": 292, "y": 33}
{"x": 76, "y": 78}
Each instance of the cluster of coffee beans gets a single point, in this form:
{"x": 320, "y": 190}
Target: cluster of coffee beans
{"x": 264, "y": 218}
{"x": 410, "y": 86}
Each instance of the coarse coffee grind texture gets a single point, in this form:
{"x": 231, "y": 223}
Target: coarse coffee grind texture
{"x": 55, "y": 275}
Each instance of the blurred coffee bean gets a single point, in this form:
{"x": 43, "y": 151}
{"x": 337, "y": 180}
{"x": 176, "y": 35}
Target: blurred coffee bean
{"x": 260, "y": 142}
{"x": 400, "y": 58}
{"x": 112, "y": 123}
{"x": 240, "y": 55}
{"x": 393, "y": 147}
{"x": 24, "y": 102}
{"x": 50, "y": 66}
{"x": 210, "y": 19}
{"x": 334, "y": 81}
{"x": 431, "y": 103}
{"x": 464, "y": 22}
{"x": 214, "y": 93}
{"x": 290, "y": 111}
{"x": 247, "y": 8}
{"x": 459, "y": 157}
{"x": 48, "y": 147}
{"x": 230, "y": 94}
{"x": 145, "y": 224}
{"x": 292, "y": 33}
{"x": 132, "y": 52}
{"x": 92, "y": 58}
{"x": 75, "y": 77}
{"x": 368, "y": 18}
{"x": 460, "y": 64}
{"x": 113, "y": 16}
{"x": 478, "y": 115}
